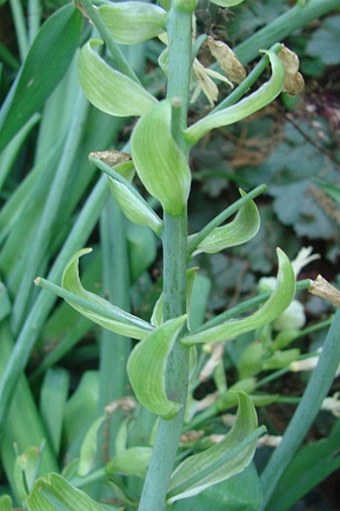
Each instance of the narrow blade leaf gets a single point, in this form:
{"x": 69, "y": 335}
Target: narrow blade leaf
{"x": 56, "y": 42}
{"x": 272, "y": 309}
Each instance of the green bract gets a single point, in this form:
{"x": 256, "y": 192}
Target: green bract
{"x": 54, "y": 493}
{"x": 108, "y": 89}
{"x": 242, "y": 229}
{"x": 272, "y": 309}
{"x": 133, "y": 22}
{"x": 147, "y": 365}
{"x": 94, "y": 307}
{"x": 247, "y": 106}
{"x": 159, "y": 161}
{"x": 137, "y": 211}
{"x": 223, "y": 460}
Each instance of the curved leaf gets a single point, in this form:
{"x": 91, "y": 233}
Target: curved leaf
{"x": 54, "y": 493}
{"x": 159, "y": 161}
{"x": 247, "y": 106}
{"x": 109, "y": 90}
{"x": 242, "y": 229}
{"x": 94, "y": 307}
{"x": 146, "y": 368}
{"x": 133, "y": 22}
{"x": 221, "y": 461}
{"x": 272, "y": 309}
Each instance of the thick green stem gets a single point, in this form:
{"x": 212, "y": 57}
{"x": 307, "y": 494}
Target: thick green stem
{"x": 174, "y": 268}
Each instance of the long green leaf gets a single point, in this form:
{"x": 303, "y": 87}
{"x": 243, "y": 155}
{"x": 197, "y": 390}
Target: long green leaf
{"x": 221, "y": 461}
{"x": 272, "y": 309}
{"x": 108, "y": 89}
{"x": 55, "y": 44}
{"x": 146, "y": 368}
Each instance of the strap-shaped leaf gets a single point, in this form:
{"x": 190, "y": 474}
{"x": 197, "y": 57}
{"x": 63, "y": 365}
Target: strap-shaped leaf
{"x": 247, "y": 106}
{"x": 159, "y": 161}
{"x": 223, "y": 460}
{"x": 272, "y": 309}
{"x": 133, "y": 22}
{"x": 242, "y": 229}
{"x": 146, "y": 368}
{"x": 107, "y": 89}
{"x": 94, "y": 307}
{"x": 54, "y": 493}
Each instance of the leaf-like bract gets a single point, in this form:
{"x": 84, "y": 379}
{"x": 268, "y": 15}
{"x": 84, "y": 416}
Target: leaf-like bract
{"x": 147, "y": 366}
{"x": 247, "y": 106}
{"x": 272, "y": 309}
{"x": 133, "y": 22}
{"x": 110, "y": 90}
{"x": 221, "y": 461}
{"x": 159, "y": 161}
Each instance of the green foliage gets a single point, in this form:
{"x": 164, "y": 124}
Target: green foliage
{"x": 65, "y": 364}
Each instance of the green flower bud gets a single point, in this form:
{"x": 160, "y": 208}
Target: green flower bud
{"x": 226, "y": 3}
{"x": 185, "y": 5}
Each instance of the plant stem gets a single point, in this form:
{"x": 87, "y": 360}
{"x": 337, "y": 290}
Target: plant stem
{"x": 306, "y": 412}
{"x": 174, "y": 268}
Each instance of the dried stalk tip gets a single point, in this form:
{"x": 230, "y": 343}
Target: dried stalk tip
{"x": 322, "y": 288}
{"x": 294, "y": 82}
{"x": 227, "y": 60}
{"x": 111, "y": 157}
